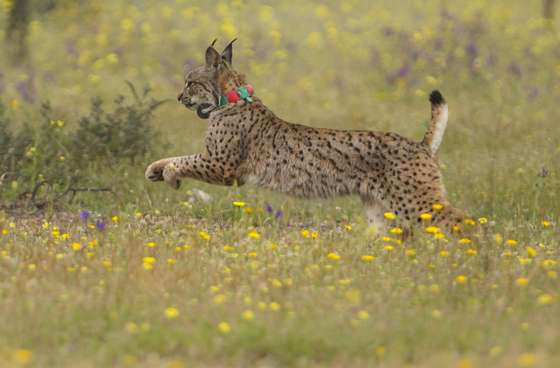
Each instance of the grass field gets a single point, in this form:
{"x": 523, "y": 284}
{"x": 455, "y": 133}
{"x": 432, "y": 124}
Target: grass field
{"x": 150, "y": 277}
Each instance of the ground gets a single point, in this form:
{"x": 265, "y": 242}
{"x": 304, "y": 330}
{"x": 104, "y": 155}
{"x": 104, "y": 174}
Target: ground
{"x": 146, "y": 276}
{"x": 252, "y": 285}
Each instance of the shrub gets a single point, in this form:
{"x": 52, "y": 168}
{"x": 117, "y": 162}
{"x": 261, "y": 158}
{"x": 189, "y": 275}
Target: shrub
{"x": 123, "y": 133}
{"x": 52, "y": 153}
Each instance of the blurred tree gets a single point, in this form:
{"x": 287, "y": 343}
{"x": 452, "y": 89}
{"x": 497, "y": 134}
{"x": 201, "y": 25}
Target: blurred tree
{"x": 16, "y": 33}
{"x": 548, "y": 9}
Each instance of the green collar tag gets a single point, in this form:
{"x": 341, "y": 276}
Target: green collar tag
{"x": 223, "y": 100}
{"x": 244, "y": 94}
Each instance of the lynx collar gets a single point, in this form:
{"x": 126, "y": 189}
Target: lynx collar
{"x": 240, "y": 93}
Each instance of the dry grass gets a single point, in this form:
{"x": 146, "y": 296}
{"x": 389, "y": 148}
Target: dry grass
{"x": 348, "y": 65}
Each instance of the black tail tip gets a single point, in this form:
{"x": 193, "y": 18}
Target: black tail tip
{"x": 436, "y": 98}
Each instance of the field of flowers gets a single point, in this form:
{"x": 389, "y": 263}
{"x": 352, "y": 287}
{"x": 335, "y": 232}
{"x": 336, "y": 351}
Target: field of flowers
{"x": 144, "y": 276}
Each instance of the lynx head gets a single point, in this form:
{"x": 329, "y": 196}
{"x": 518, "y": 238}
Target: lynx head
{"x": 206, "y": 83}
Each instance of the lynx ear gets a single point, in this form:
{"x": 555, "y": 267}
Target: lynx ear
{"x": 212, "y": 57}
{"x": 227, "y": 54}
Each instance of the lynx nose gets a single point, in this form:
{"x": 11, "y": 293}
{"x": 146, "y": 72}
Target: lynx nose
{"x": 180, "y": 96}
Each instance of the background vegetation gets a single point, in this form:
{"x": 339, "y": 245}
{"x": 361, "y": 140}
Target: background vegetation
{"x": 273, "y": 280}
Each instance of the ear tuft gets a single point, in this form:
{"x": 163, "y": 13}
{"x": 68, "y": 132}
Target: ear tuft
{"x": 227, "y": 54}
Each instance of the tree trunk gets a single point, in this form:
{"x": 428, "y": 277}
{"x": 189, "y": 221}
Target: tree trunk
{"x": 16, "y": 32}
{"x": 548, "y": 9}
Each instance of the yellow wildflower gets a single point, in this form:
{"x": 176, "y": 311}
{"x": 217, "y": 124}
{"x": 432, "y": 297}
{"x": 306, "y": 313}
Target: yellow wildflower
{"x": 425, "y": 216}
{"x": 253, "y": 234}
{"x": 333, "y": 256}
{"x": 367, "y": 258}
{"x": 363, "y": 315}
{"x": 437, "y": 206}
{"x": 511, "y": 242}
{"x": 522, "y": 281}
{"x": 396, "y": 231}
{"x": 224, "y": 327}
{"x": 23, "y": 356}
{"x": 219, "y": 299}
{"x": 171, "y": 313}
{"x": 461, "y": 279}
{"x": 527, "y": 360}
{"x": 239, "y": 204}
{"x": 469, "y": 222}
{"x": 471, "y": 252}
{"x": 498, "y": 238}
{"x": 248, "y": 315}
{"x": 131, "y": 327}
{"x": 544, "y": 299}
{"x": 531, "y": 252}
{"x": 149, "y": 260}
{"x": 204, "y": 235}
{"x": 432, "y": 230}
{"x": 76, "y": 246}
{"x": 390, "y": 216}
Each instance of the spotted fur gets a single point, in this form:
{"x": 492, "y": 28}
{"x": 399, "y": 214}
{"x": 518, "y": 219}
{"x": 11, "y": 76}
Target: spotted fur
{"x": 248, "y": 143}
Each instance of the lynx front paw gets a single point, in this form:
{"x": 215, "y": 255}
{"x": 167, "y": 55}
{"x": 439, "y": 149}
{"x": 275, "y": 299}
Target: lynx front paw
{"x": 154, "y": 172}
{"x": 171, "y": 177}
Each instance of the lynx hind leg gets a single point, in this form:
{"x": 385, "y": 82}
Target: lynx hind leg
{"x": 454, "y": 221}
{"x": 375, "y": 212}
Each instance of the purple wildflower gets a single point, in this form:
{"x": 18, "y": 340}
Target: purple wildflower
{"x": 278, "y": 214}
{"x": 403, "y": 71}
{"x": 472, "y": 50}
{"x": 26, "y": 90}
{"x": 100, "y": 225}
{"x": 84, "y": 215}
{"x": 268, "y": 208}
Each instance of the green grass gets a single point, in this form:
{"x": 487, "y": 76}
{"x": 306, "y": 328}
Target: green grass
{"x": 355, "y": 65}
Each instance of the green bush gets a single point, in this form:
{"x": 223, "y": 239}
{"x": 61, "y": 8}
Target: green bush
{"x": 53, "y": 153}
{"x": 123, "y": 133}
